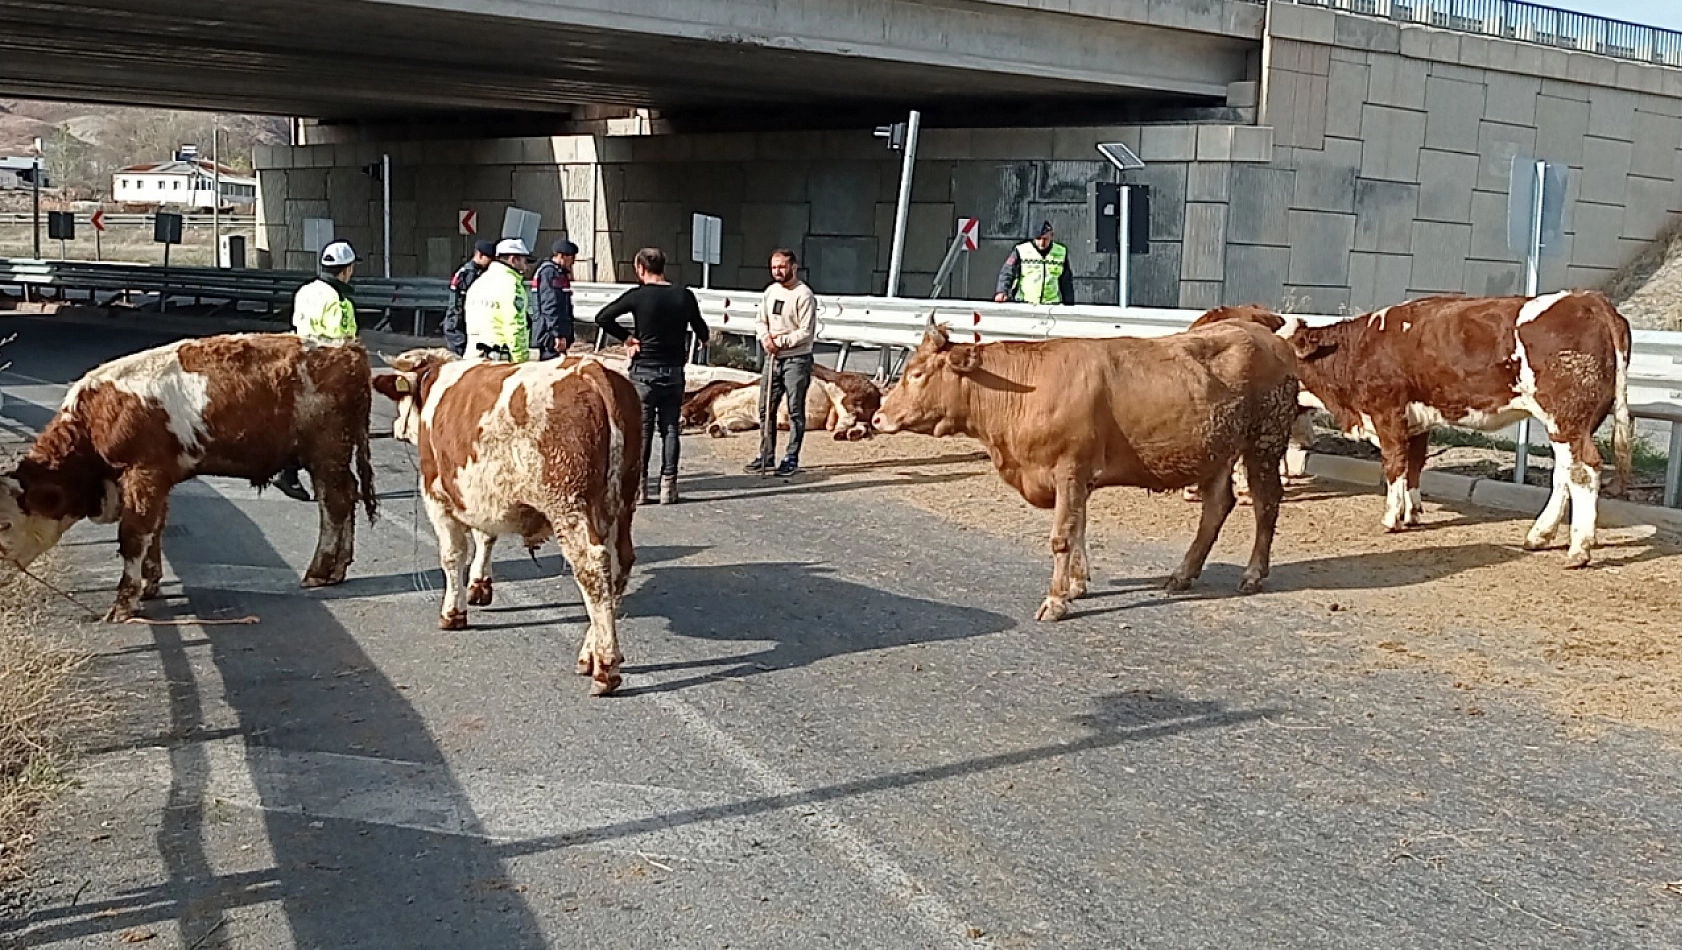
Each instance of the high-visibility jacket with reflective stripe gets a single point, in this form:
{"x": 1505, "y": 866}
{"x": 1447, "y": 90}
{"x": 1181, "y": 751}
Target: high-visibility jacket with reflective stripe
{"x": 321, "y": 313}
{"x": 1041, "y": 280}
{"x": 497, "y": 314}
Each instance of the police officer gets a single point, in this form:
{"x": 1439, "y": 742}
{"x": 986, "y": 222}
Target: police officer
{"x": 455, "y": 336}
{"x": 551, "y": 290}
{"x": 497, "y": 307}
{"x": 322, "y": 312}
{"x": 1037, "y": 271}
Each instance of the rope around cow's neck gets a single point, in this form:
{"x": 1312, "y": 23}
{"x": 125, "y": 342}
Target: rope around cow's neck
{"x": 94, "y": 614}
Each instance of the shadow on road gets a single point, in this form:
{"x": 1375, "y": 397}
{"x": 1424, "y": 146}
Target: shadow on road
{"x": 806, "y": 613}
{"x": 298, "y": 683}
{"x": 1133, "y": 716}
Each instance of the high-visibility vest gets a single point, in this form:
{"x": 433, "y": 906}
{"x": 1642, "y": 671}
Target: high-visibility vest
{"x": 497, "y": 317}
{"x": 1041, "y": 278}
{"x": 320, "y": 313}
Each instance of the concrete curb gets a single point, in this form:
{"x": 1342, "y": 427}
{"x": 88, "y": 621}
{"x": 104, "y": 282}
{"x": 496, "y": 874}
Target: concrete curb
{"x": 1492, "y": 493}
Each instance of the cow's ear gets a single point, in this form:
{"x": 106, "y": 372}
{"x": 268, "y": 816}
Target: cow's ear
{"x": 964, "y": 359}
{"x": 1306, "y": 347}
{"x": 394, "y": 386}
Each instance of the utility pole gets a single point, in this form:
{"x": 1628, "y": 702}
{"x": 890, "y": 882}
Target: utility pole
{"x": 902, "y": 210}
{"x": 216, "y": 194}
{"x": 35, "y": 186}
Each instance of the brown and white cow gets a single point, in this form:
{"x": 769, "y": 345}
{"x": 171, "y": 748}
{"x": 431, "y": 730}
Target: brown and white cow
{"x": 840, "y": 402}
{"x": 241, "y": 406}
{"x": 534, "y": 449}
{"x": 1483, "y": 363}
{"x": 1302, "y": 433}
{"x": 1062, "y": 417}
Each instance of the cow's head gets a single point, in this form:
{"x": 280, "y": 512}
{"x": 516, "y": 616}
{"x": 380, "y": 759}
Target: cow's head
{"x": 859, "y": 406}
{"x": 930, "y": 398}
{"x": 1306, "y": 342}
{"x": 35, "y": 511}
{"x": 407, "y": 387}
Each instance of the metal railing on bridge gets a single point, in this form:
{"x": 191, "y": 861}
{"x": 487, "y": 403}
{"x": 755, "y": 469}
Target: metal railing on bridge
{"x": 120, "y": 220}
{"x": 1525, "y": 22}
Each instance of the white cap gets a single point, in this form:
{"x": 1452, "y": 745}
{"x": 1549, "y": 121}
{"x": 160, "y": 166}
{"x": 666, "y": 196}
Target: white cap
{"x": 338, "y": 254}
{"x": 509, "y": 246}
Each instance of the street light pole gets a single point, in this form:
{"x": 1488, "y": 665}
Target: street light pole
{"x": 216, "y": 194}
{"x": 35, "y": 186}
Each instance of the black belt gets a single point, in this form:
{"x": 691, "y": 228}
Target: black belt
{"x": 499, "y": 353}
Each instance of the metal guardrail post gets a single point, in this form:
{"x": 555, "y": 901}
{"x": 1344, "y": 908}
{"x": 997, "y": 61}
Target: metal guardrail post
{"x": 1673, "y": 468}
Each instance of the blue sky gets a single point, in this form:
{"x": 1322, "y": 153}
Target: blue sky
{"x": 1665, "y": 13}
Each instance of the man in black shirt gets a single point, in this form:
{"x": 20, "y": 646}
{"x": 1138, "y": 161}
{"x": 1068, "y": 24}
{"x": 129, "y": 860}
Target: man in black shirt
{"x": 455, "y": 333}
{"x": 661, "y": 315}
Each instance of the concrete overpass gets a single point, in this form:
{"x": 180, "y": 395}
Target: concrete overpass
{"x": 362, "y": 60}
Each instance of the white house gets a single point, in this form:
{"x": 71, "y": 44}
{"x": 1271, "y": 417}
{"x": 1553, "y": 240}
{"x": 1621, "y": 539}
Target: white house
{"x": 189, "y": 183}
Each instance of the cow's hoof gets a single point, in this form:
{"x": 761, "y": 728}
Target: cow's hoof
{"x": 1177, "y": 583}
{"x": 605, "y": 684}
{"x": 1536, "y": 542}
{"x": 454, "y": 620}
{"x": 585, "y": 667}
{"x": 1249, "y": 585}
{"x": 119, "y": 614}
{"x": 311, "y": 583}
{"x": 480, "y": 594}
{"x": 1053, "y": 610}
{"x": 1576, "y": 559}
{"x": 150, "y": 591}
{"x": 1245, "y": 501}
{"x": 1191, "y": 495}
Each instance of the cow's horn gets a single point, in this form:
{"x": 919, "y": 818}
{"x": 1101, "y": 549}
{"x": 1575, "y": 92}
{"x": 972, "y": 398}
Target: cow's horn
{"x": 930, "y": 325}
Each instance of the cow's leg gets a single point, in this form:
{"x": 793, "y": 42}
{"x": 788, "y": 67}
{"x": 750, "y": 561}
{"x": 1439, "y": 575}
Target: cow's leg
{"x": 145, "y": 502}
{"x": 1080, "y": 568}
{"x": 1393, "y": 446}
{"x": 1218, "y": 502}
{"x": 1547, "y": 524}
{"x": 593, "y": 570}
{"x": 1419, "y": 449}
{"x": 1267, "y": 491}
{"x": 452, "y": 557}
{"x": 1068, "y": 517}
{"x": 479, "y": 593}
{"x": 335, "y": 545}
{"x": 1296, "y": 451}
{"x": 1583, "y": 481}
{"x": 152, "y": 565}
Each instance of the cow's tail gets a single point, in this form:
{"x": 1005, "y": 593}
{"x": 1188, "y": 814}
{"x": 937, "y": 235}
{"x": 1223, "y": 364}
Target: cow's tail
{"x": 1623, "y": 429}
{"x": 365, "y": 476}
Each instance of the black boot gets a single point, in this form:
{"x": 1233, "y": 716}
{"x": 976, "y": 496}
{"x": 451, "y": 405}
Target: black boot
{"x": 289, "y": 485}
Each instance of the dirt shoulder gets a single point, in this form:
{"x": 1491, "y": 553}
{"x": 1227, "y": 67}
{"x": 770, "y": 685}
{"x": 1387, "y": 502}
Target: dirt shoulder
{"x": 1458, "y": 596}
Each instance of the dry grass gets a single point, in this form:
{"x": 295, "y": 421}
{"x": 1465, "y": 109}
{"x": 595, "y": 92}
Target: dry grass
{"x": 1648, "y": 290}
{"x": 41, "y": 711}
{"x": 1457, "y": 597}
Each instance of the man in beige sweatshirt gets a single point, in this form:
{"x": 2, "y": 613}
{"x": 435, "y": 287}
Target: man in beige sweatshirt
{"x": 786, "y": 327}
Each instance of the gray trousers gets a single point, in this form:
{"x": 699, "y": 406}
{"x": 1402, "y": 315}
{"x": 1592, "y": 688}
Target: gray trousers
{"x": 791, "y": 376}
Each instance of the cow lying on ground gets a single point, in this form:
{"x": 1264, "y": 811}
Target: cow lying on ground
{"x": 840, "y": 402}
{"x": 1483, "y": 363}
{"x": 1062, "y": 417}
{"x": 1302, "y": 433}
{"x": 534, "y": 449}
{"x": 239, "y": 406}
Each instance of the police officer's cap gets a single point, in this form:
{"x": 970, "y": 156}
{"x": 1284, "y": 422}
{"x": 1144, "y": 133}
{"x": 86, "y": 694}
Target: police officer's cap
{"x": 487, "y": 248}
{"x": 337, "y": 254}
{"x": 512, "y": 247}
{"x": 563, "y": 246}
{"x": 1045, "y": 228}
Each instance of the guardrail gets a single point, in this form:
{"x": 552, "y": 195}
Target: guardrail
{"x": 1655, "y": 373}
{"x": 114, "y": 219}
{"x": 1525, "y": 22}
{"x": 271, "y": 288}
{"x": 892, "y": 326}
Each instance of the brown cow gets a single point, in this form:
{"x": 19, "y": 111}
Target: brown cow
{"x": 1302, "y": 433}
{"x": 1062, "y": 417}
{"x": 698, "y": 405}
{"x": 240, "y": 406}
{"x": 532, "y": 449}
{"x": 1484, "y": 363}
{"x": 858, "y": 399}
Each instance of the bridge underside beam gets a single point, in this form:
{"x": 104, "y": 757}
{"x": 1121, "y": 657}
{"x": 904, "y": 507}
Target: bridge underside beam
{"x": 382, "y": 59}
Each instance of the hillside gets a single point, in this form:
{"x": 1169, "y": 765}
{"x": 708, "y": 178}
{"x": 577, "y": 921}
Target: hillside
{"x": 1648, "y": 290}
{"x": 85, "y": 143}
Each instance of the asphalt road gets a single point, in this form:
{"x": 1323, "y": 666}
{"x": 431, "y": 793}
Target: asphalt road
{"x": 839, "y": 728}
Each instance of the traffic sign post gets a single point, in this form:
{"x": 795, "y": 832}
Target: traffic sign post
{"x": 98, "y": 222}
{"x": 966, "y": 239}
{"x": 706, "y": 245}
{"x": 467, "y": 222}
{"x": 1536, "y": 229}
{"x": 166, "y": 230}
{"x": 61, "y": 226}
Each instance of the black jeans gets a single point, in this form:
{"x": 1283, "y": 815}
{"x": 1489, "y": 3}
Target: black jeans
{"x": 455, "y": 335}
{"x": 661, "y": 389}
{"x": 791, "y": 376}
